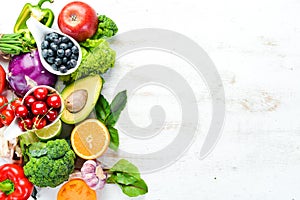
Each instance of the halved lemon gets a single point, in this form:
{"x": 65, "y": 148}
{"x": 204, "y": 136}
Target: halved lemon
{"x": 90, "y": 139}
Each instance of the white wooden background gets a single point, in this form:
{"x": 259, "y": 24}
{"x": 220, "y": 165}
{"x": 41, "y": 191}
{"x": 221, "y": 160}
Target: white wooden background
{"x": 255, "y": 46}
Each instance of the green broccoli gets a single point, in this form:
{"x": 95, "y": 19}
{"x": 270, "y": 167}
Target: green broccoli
{"x": 50, "y": 164}
{"x": 97, "y": 58}
{"x": 106, "y": 27}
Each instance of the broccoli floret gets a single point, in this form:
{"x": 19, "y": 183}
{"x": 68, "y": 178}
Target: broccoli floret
{"x": 106, "y": 27}
{"x": 54, "y": 167}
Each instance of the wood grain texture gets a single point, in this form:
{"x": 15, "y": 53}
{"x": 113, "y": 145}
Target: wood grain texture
{"x": 255, "y": 46}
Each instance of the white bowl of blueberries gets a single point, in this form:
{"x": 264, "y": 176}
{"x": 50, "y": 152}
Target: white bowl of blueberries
{"x": 60, "y": 54}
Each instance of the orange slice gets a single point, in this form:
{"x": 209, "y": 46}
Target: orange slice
{"x": 90, "y": 139}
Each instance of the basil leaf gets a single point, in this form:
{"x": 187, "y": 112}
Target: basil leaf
{"x": 116, "y": 107}
{"x": 102, "y": 108}
{"x": 126, "y": 167}
{"x": 114, "y": 138}
{"x": 135, "y": 189}
{"x": 111, "y": 179}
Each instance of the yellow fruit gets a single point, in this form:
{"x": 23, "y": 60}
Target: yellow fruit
{"x": 90, "y": 139}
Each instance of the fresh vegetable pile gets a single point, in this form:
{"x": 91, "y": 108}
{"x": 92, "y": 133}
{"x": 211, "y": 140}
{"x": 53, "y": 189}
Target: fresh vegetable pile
{"x": 55, "y": 128}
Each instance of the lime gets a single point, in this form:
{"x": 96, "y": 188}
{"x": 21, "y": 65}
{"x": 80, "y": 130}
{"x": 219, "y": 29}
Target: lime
{"x": 49, "y": 132}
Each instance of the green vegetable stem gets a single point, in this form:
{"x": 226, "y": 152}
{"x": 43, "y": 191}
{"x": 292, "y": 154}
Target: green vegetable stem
{"x": 14, "y": 44}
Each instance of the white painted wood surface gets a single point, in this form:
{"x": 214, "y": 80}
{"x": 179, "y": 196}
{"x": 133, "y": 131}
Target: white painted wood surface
{"x": 255, "y": 46}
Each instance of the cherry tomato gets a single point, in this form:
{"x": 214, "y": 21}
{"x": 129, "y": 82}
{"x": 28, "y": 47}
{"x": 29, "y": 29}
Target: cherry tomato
{"x": 39, "y": 108}
{"x": 51, "y": 115}
{"x": 39, "y": 123}
{"x": 16, "y": 102}
{"x": 7, "y": 116}
{"x": 2, "y": 79}
{"x": 3, "y": 103}
{"x": 21, "y": 111}
{"x": 25, "y": 124}
{"x": 40, "y": 93}
{"x": 54, "y": 101}
{"x": 28, "y": 101}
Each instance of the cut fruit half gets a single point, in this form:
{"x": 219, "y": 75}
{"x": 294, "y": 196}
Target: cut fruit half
{"x": 49, "y": 132}
{"x": 90, "y": 139}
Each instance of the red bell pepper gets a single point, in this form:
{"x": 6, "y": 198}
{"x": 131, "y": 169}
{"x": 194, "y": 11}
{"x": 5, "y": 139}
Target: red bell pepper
{"x": 13, "y": 183}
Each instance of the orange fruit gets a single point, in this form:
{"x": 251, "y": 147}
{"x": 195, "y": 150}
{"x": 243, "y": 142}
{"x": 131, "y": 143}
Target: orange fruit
{"x": 90, "y": 139}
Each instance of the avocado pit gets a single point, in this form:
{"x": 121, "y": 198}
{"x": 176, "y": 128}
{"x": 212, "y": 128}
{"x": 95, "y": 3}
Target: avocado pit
{"x": 76, "y": 101}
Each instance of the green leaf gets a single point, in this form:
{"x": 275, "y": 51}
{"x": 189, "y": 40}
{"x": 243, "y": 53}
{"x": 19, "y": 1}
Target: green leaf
{"x": 114, "y": 138}
{"x": 102, "y": 108}
{"x": 135, "y": 189}
{"x": 124, "y": 178}
{"x": 111, "y": 179}
{"x": 126, "y": 167}
{"x": 116, "y": 107}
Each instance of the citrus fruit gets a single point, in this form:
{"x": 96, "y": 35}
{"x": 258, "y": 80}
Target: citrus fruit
{"x": 90, "y": 139}
{"x": 49, "y": 132}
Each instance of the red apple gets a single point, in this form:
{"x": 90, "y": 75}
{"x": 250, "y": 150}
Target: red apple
{"x": 78, "y": 20}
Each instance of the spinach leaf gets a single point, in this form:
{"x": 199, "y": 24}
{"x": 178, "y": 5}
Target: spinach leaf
{"x": 116, "y": 107}
{"x": 102, "y": 108}
{"x": 135, "y": 189}
{"x": 109, "y": 114}
{"x": 126, "y": 167}
{"x": 114, "y": 138}
{"x": 127, "y": 176}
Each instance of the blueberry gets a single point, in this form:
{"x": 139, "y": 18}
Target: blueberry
{"x": 63, "y": 46}
{"x": 60, "y": 53}
{"x": 50, "y": 60}
{"x": 72, "y": 63}
{"x": 58, "y": 61}
{"x": 53, "y": 36}
{"x": 74, "y": 56}
{"x": 53, "y": 46}
{"x": 63, "y": 69}
{"x": 45, "y": 53}
{"x": 45, "y": 44}
{"x": 65, "y": 39}
{"x": 75, "y": 50}
{"x": 50, "y": 52}
{"x": 68, "y": 52}
{"x": 70, "y": 44}
{"x": 54, "y": 66}
{"x": 65, "y": 60}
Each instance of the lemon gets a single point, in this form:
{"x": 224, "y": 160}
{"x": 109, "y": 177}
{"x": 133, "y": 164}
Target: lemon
{"x": 49, "y": 132}
{"x": 90, "y": 139}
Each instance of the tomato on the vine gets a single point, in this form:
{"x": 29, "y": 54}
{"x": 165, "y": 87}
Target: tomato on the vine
{"x": 7, "y": 116}
{"x": 2, "y": 79}
{"x": 3, "y": 103}
{"x": 16, "y": 102}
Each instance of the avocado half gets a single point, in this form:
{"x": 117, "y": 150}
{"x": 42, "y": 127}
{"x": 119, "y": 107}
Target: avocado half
{"x": 80, "y": 98}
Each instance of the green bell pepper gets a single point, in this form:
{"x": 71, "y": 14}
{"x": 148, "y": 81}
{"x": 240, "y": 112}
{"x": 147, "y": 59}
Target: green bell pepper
{"x": 44, "y": 15}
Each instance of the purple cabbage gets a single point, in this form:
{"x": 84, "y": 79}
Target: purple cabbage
{"x": 26, "y": 71}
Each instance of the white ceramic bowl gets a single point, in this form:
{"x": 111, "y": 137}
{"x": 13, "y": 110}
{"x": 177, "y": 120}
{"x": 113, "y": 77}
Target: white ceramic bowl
{"x": 13, "y": 130}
